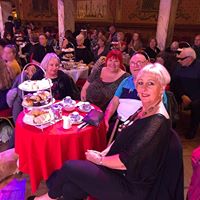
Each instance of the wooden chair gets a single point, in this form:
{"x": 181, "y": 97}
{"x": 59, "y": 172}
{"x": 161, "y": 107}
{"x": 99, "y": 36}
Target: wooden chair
{"x": 6, "y": 114}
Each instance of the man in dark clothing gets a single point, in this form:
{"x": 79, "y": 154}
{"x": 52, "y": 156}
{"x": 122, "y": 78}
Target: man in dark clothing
{"x": 41, "y": 49}
{"x": 196, "y": 45}
{"x": 113, "y": 34}
{"x": 9, "y": 26}
{"x": 186, "y": 84}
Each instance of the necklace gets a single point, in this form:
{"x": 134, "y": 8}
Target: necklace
{"x": 129, "y": 121}
{"x": 151, "y": 109}
{"x": 147, "y": 111}
{"x": 137, "y": 115}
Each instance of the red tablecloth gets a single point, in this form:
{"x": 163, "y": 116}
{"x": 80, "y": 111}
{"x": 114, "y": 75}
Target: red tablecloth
{"x": 42, "y": 152}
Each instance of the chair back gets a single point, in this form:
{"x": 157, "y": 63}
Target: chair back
{"x": 6, "y": 114}
{"x": 172, "y": 107}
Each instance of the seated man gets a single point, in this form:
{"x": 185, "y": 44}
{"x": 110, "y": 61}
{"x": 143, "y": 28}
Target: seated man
{"x": 186, "y": 84}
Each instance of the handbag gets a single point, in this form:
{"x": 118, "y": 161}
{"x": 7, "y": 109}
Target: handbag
{"x": 94, "y": 117}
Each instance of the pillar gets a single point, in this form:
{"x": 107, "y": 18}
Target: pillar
{"x": 166, "y": 22}
{"x": 70, "y": 15}
{"x": 5, "y": 11}
{"x": 66, "y": 17}
{"x": 61, "y": 26}
{"x": 1, "y": 21}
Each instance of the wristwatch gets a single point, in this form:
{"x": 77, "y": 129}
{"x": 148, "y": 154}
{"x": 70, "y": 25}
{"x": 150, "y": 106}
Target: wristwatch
{"x": 101, "y": 160}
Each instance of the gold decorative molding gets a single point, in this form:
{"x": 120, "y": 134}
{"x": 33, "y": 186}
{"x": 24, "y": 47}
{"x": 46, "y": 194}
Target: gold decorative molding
{"x": 91, "y": 9}
{"x": 145, "y": 10}
{"x": 41, "y": 8}
{"x": 149, "y": 9}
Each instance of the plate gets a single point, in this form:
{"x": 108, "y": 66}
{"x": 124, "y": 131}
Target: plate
{"x": 29, "y": 119}
{"x": 82, "y": 67}
{"x": 77, "y": 122}
{"x": 80, "y": 108}
{"x": 30, "y": 86}
{"x": 43, "y": 106}
{"x": 67, "y": 50}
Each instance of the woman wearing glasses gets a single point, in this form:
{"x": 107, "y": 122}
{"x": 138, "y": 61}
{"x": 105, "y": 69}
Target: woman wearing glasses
{"x": 133, "y": 166}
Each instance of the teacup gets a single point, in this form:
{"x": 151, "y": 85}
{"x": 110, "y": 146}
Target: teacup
{"x": 67, "y": 100}
{"x": 75, "y": 116}
{"x": 57, "y": 111}
{"x": 86, "y": 106}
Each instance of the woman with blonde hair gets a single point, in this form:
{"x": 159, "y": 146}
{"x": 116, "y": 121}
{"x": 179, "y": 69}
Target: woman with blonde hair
{"x": 121, "y": 43}
{"x": 5, "y": 84}
{"x": 81, "y": 52}
{"x": 144, "y": 162}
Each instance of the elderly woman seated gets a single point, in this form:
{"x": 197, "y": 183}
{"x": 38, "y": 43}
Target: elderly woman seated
{"x": 101, "y": 85}
{"x": 134, "y": 165}
{"x": 63, "y": 85}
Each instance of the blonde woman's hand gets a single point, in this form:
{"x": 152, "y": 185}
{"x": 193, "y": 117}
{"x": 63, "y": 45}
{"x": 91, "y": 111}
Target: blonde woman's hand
{"x": 93, "y": 156}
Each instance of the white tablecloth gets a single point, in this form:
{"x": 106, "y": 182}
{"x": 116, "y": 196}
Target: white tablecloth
{"x": 76, "y": 73}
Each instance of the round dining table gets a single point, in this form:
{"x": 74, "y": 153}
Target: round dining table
{"x": 42, "y": 151}
{"x": 76, "y": 73}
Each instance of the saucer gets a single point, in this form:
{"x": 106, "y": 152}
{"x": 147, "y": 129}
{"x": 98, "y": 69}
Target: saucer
{"x": 80, "y": 108}
{"x": 78, "y": 121}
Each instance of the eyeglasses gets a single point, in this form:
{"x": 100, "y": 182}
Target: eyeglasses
{"x": 138, "y": 63}
{"x": 183, "y": 58}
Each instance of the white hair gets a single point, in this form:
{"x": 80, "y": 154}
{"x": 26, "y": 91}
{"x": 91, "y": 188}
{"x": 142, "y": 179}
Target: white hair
{"x": 80, "y": 37}
{"x": 158, "y": 70}
{"x": 47, "y": 58}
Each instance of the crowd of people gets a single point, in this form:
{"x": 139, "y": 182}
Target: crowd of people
{"x": 134, "y": 96}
